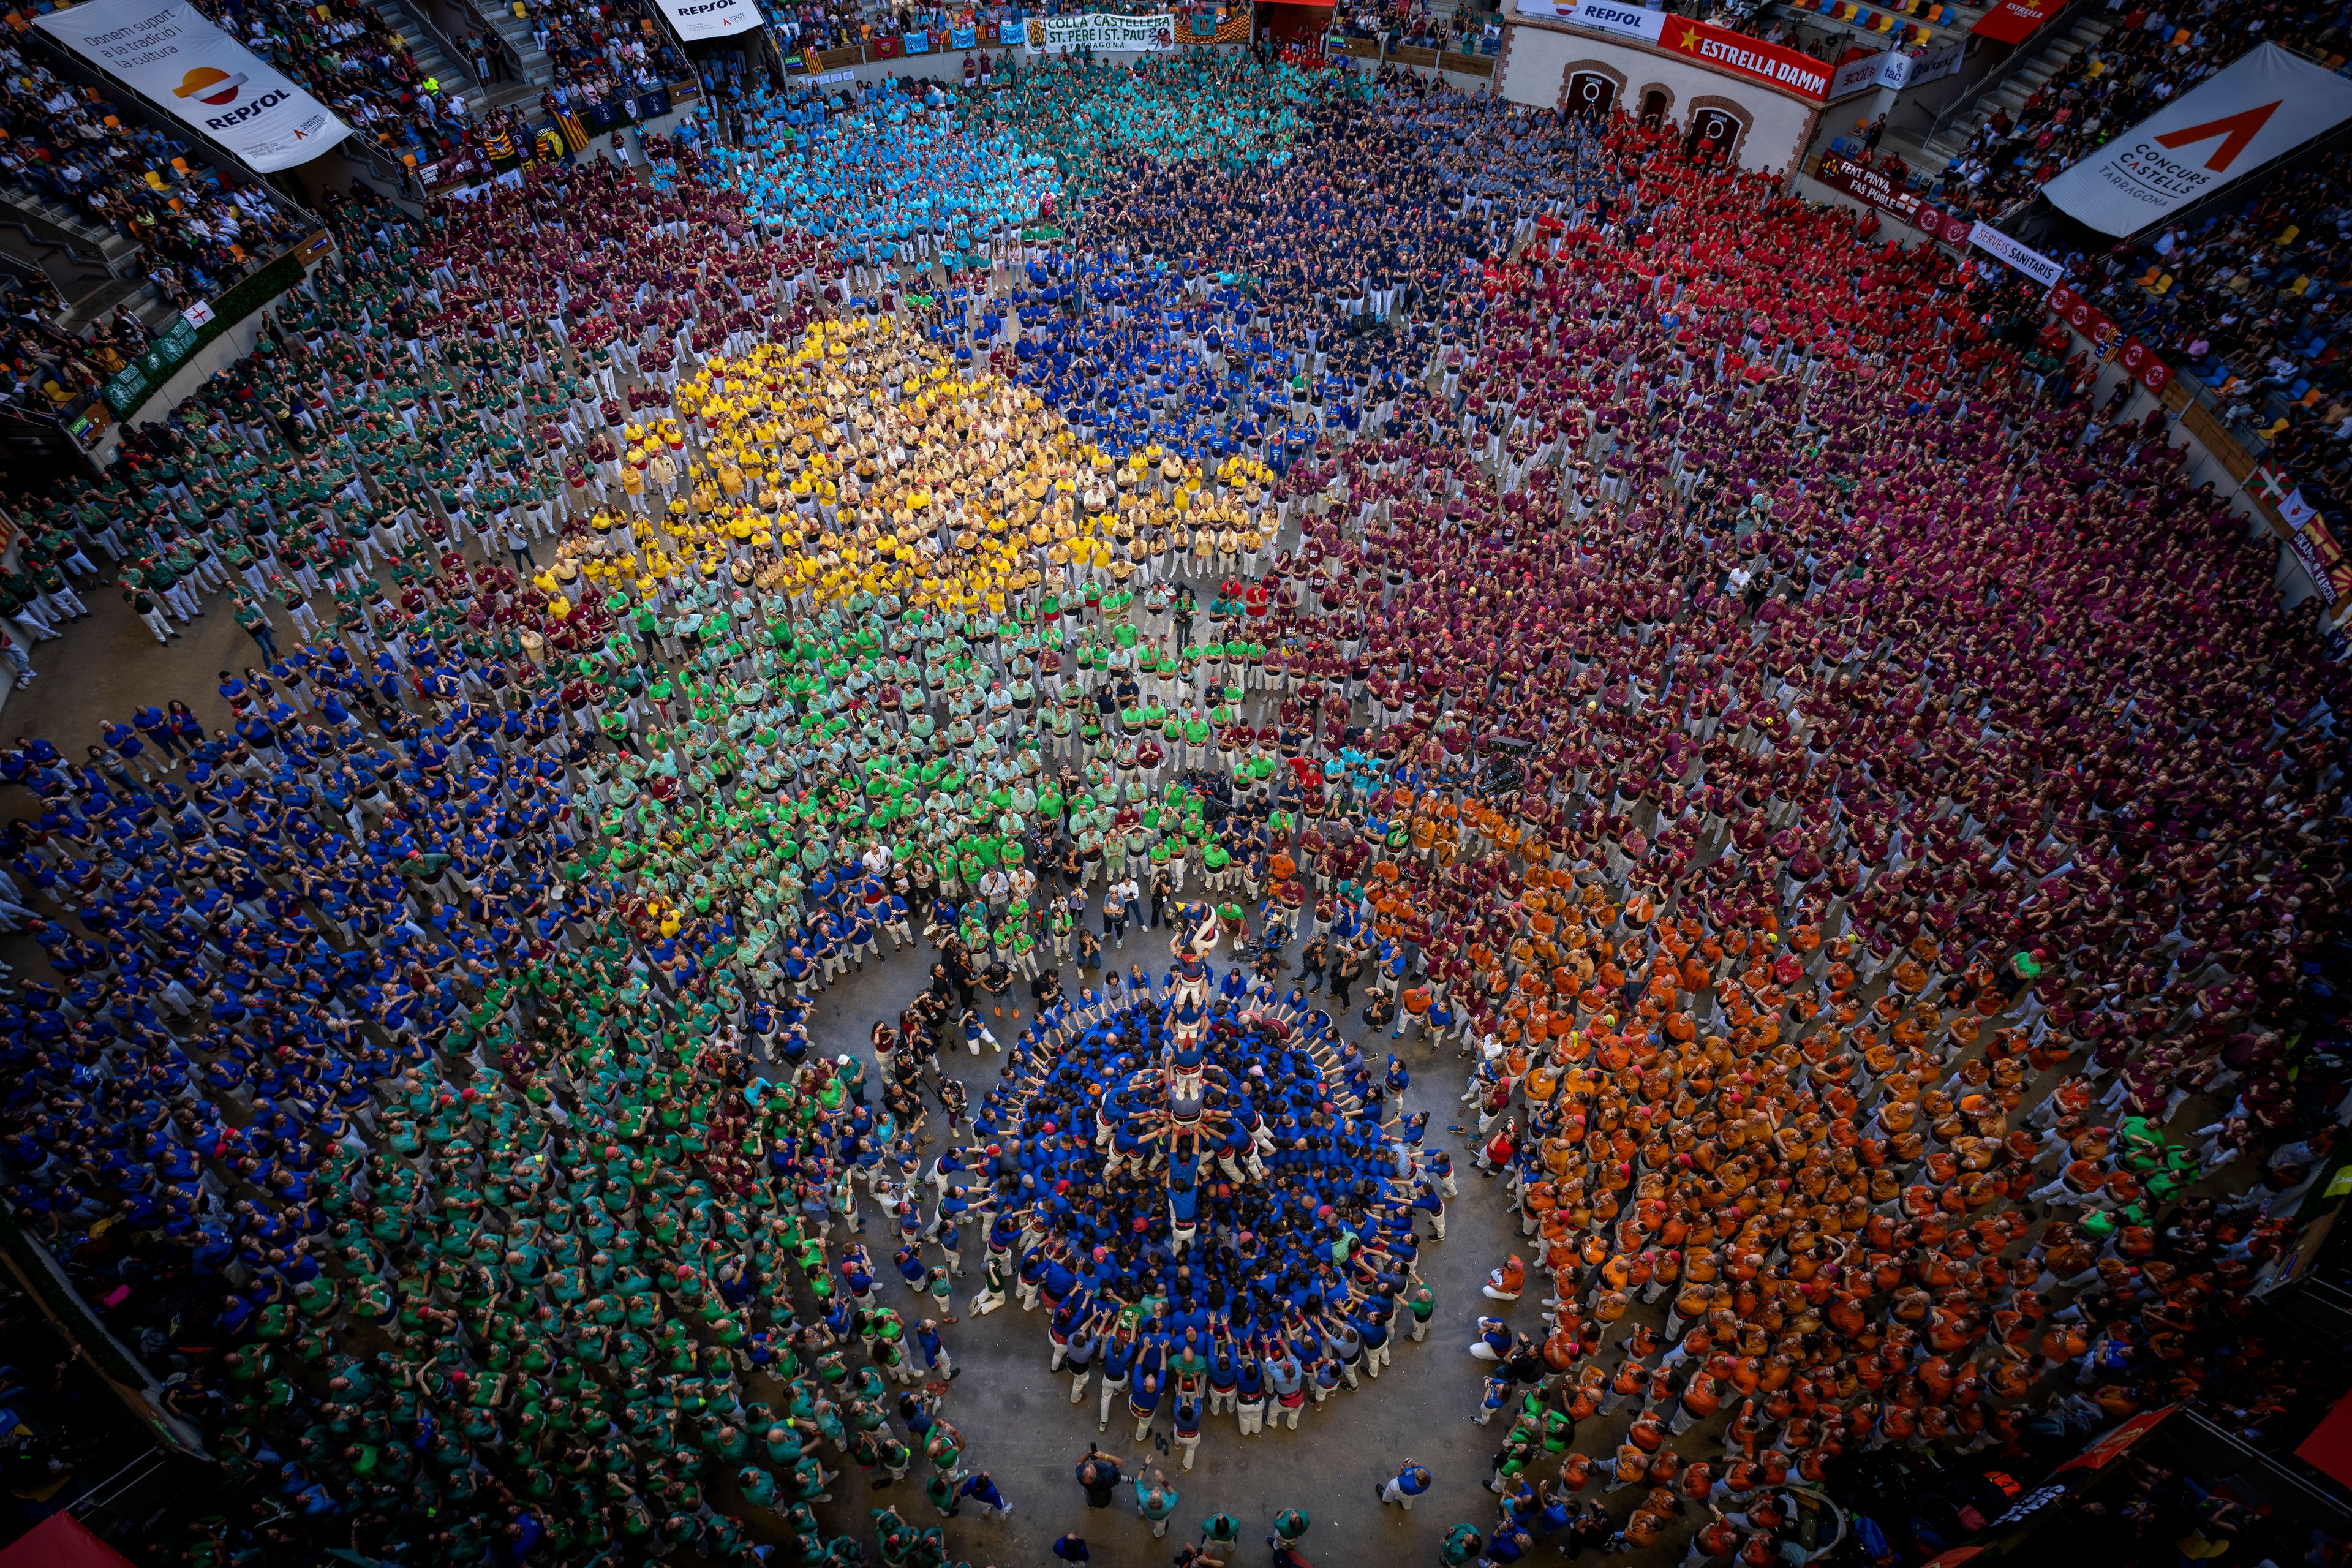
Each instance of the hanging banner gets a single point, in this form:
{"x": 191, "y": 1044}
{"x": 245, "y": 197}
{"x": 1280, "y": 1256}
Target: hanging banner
{"x": 1894, "y": 68}
{"x": 2014, "y": 21}
{"x": 710, "y": 18}
{"x": 1880, "y": 189}
{"x": 1931, "y": 65}
{"x": 919, "y": 43}
{"x": 2081, "y": 315}
{"x": 1101, "y": 32}
{"x": 1952, "y": 230}
{"x": 2026, "y": 259}
{"x": 2316, "y": 548}
{"x": 2262, "y": 106}
{"x": 167, "y": 53}
{"x": 2285, "y": 497}
{"x": 2140, "y": 360}
{"x": 1626, "y": 20}
{"x": 1737, "y": 54}
{"x": 1858, "y": 75}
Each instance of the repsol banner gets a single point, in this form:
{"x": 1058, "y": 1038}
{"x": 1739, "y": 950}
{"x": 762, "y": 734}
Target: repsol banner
{"x": 1102, "y": 32}
{"x": 168, "y": 54}
{"x": 710, "y": 18}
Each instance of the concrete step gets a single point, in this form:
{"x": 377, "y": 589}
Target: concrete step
{"x": 55, "y": 223}
{"x": 55, "y": 215}
{"x": 153, "y": 308}
{"x": 537, "y": 68}
{"x": 525, "y": 94}
{"x": 431, "y": 58}
{"x": 102, "y": 300}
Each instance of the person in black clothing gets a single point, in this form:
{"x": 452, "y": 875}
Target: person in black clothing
{"x": 959, "y": 969}
{"x": 1099, "y": 1474}
{"x": 1344, "y": 970}
{"x": 1045, "y": 990}
{"x": 1592, "y": 1528}
{"x": 996, "y": 980}
{"x": 1182, "y": 608}
{"x": 1313, "y": 958}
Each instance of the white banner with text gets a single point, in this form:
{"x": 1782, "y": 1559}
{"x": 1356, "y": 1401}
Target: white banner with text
{"x": 170, "y": 55}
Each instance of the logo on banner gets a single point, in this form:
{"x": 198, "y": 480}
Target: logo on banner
{"x": 2146, "y": 368}
{"x": 2222, "y": 129}
{"x": 2081, "y": 315}
{"x": 1634, "y": 19}
{"x": 1747, "y": 57}
{"x": 2237, "y": 133}
{"x": 205, "y": 85}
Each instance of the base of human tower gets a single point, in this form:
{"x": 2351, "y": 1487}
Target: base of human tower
{"x": 1208, "y": 1203}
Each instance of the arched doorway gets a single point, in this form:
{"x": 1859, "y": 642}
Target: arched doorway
{"x": 1714, "y": 131}
{"x": 1654, "y": 106}
{"x": 1591, "y": 93}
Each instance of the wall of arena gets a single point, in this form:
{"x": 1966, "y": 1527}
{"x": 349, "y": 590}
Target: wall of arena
{"x": 1540, "y": 60}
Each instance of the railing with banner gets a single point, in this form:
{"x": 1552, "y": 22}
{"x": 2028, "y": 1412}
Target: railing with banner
{"x": 1101, "y": 32}
{"x": 190, "y": 331}
{"x": 1875, "y": 186}
{"x": 915, "y": 43}
{"x": 2271, "y": 494}
{"x": 610, "y": 113}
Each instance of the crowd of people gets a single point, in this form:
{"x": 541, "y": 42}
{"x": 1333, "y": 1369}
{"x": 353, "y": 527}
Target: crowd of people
{"x": 1865, "y": 836}
{"x": 605, "y": 53}
{"x": 884, "y": 171}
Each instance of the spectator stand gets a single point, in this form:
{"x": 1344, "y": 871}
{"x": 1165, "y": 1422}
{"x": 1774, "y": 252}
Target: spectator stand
{"x": 2071, "y": 31}
{"x": 113, "y": 203}
{"x": 1417, "y": 32}
{"x": 116, "y": 224}
{"x": 458, "y": 47}
{"x": 816, "y": 38}
{"x": 2236, "y": 294}
{"x": 47, "y": 1287}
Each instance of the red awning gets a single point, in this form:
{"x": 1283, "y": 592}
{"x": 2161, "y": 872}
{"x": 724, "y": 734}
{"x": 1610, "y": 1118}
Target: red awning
{"x": 2328, "y": 1449}
{"x": 2014, "y": 21}
{"x": 61, "y": 1541}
